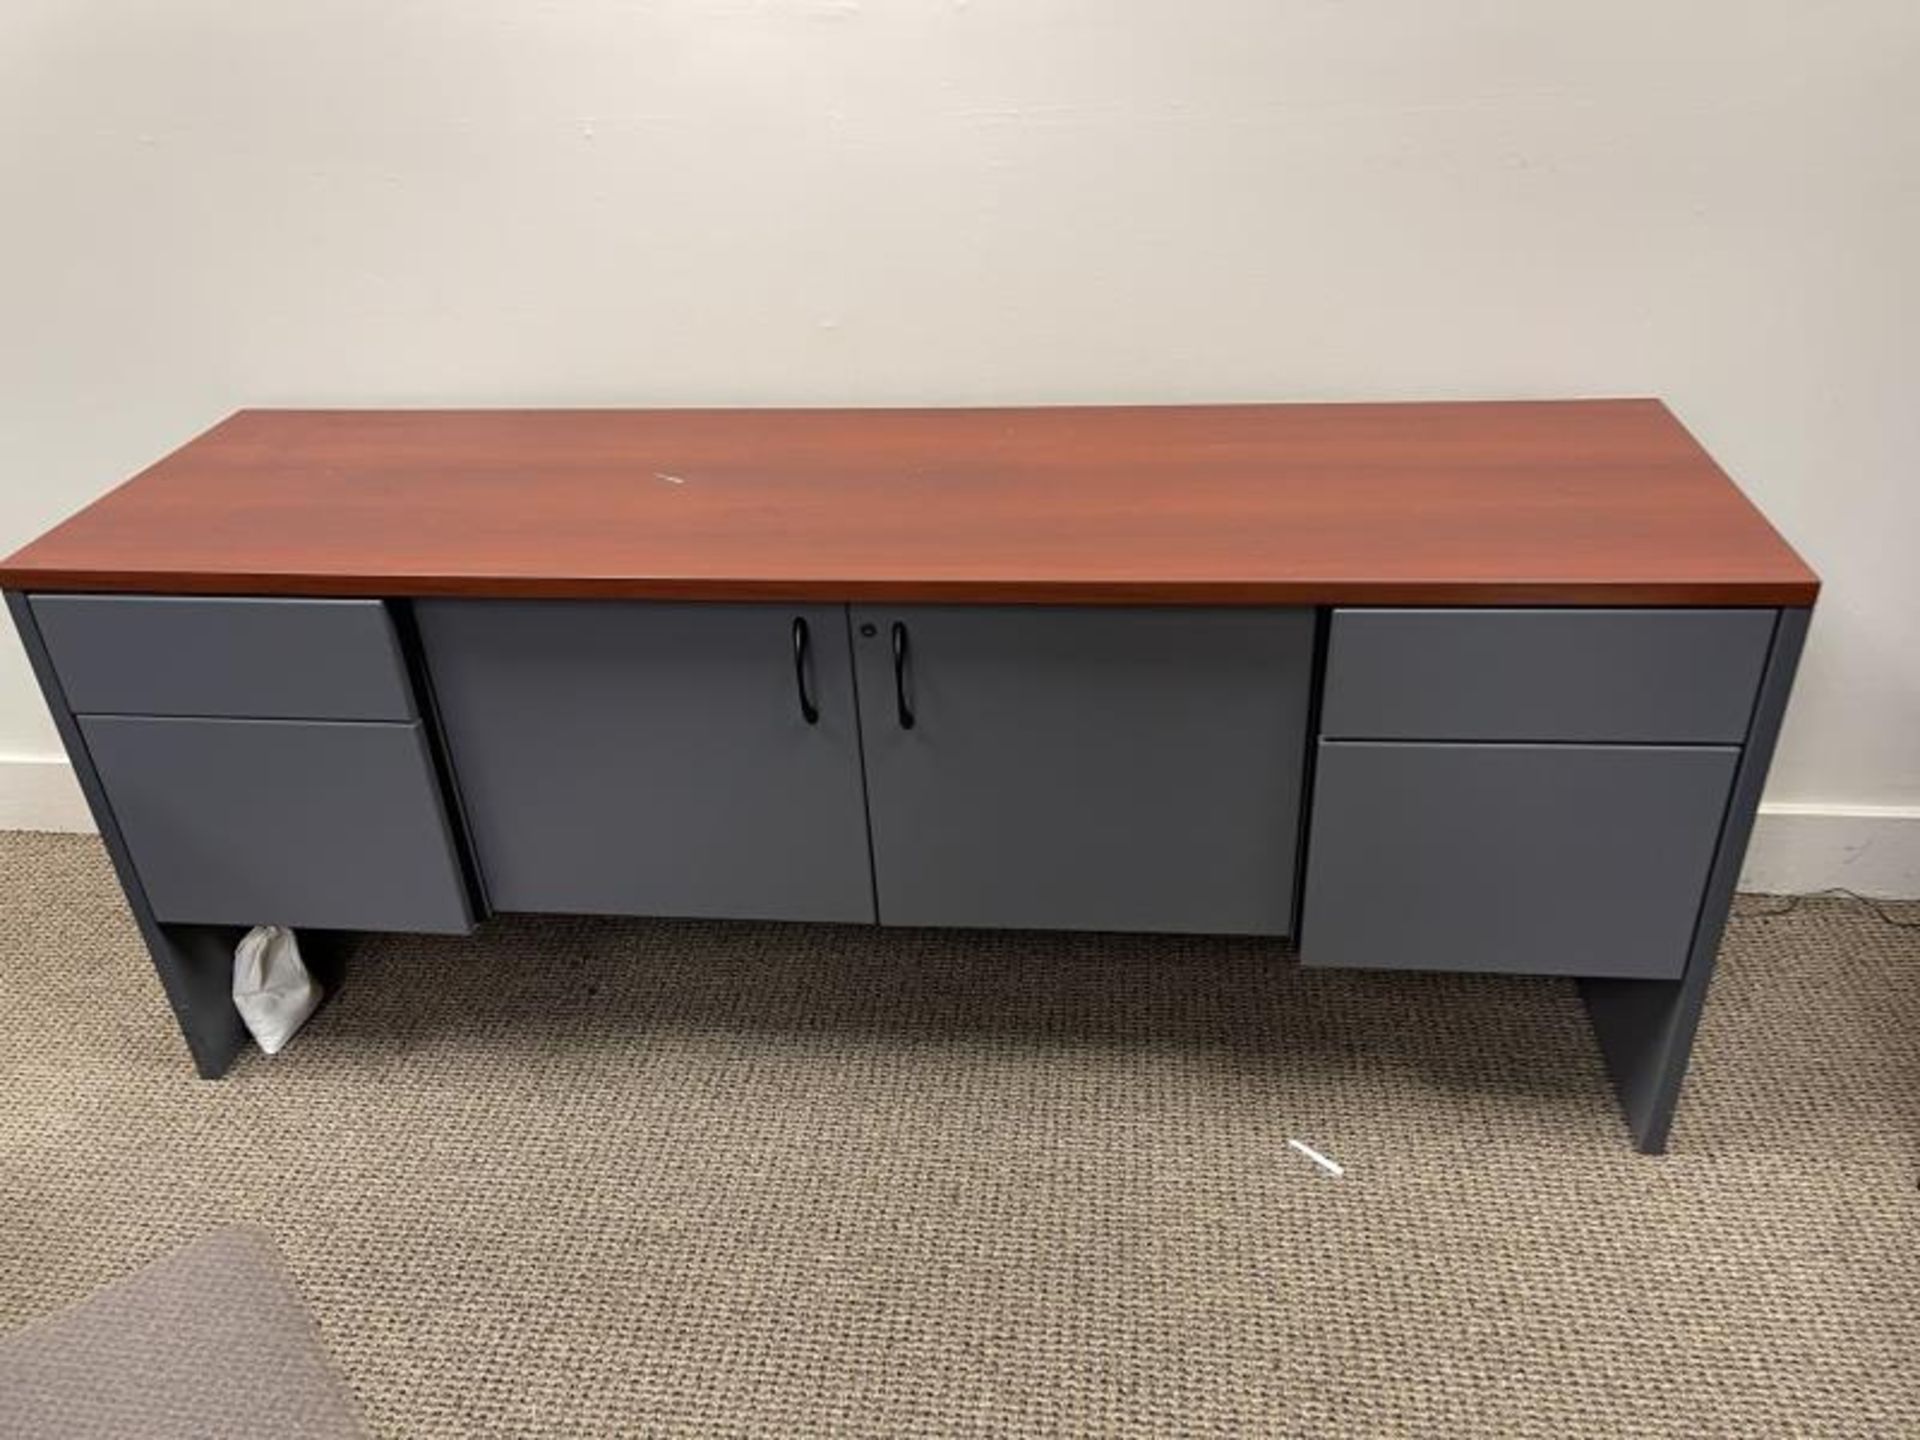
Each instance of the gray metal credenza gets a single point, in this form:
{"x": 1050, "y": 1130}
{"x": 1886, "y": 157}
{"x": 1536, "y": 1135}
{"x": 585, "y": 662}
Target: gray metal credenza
{"x": 1454, "y": 687}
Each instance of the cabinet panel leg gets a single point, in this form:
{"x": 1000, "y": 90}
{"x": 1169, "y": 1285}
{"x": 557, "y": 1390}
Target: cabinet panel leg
{"x": 1646, "y": 1027}
{"x": 195, "y": 963}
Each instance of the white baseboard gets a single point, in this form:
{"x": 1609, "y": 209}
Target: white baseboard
{"x": 1868, "y": 849}
{"x": 1797, "y": 849}
{"x": 38, "y": 792}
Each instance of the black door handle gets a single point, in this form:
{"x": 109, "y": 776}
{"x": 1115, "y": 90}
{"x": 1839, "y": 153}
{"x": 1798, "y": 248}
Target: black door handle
{"x": 900, "y": 675}
{"x": 802, "y": 642}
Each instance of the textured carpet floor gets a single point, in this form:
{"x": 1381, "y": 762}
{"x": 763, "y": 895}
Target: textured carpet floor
{"x": 586, "y": 1178}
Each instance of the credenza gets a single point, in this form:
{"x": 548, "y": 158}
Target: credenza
{"x": 1438, "y": 686}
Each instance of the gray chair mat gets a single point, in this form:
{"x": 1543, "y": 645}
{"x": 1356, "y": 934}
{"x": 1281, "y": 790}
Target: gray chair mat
{"x": 211, "y": 1341}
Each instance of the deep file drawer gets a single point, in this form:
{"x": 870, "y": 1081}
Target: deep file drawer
{"x": 243, "y": 658}
{"x": 1660, "y": 676}
{"x": 248, "y": 822}
{"x": 1528, "y": 859}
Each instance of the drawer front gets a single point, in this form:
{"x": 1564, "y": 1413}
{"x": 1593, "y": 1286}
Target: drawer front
{"x": 1658, "y": 676}
{"x": 264, "y": 658}
{"x": 1528, "y": 859}
{"x": 251, "y": 822}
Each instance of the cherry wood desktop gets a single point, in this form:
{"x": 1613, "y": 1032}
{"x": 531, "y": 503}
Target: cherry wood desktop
{"x": 1406, "y": 683}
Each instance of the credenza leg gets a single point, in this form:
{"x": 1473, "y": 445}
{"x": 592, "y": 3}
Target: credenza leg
{"x": 195, "y": 963}
{"x": 1646, "y": 1027}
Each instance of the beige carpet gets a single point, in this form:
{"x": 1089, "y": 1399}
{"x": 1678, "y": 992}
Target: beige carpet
{"x": 620, "y": 1178}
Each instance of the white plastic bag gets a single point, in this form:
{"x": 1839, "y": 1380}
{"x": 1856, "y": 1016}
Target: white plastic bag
{"x": 271, "y": 987}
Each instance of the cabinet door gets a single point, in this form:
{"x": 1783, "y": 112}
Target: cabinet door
{"x": 1098, "y": 769}
{"x": 655, "y": 759}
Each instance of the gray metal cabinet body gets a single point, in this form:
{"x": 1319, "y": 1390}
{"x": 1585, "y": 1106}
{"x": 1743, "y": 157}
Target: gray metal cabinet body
{"x": 1533, "y": 859}
{"x": 1095, "y": 769}
{"x": 335, "y": 825}
{"x": 653, "y": 758}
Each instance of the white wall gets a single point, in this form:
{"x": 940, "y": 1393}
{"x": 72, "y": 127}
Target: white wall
{"x": 214, "y": 203}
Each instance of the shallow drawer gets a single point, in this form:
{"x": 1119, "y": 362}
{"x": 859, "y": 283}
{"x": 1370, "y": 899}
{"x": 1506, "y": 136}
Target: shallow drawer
{"x": 252, "y": 822}
{"x": 1676, "y": 676}
{"x": 179, "y": 655}
{"x": 1527, "y": 859}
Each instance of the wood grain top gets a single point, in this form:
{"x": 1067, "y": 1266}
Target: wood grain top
{"x": 1563, "y": 502}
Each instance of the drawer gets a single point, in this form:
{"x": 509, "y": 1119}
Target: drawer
{"x": 269, "y": 658}
{"x": 1673, "y": 676}
{"x": 1528, "y": 859}
{"x": 250, "y": 822}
